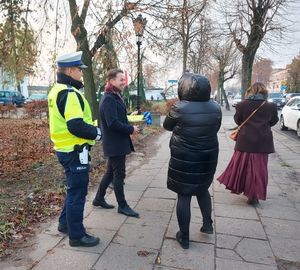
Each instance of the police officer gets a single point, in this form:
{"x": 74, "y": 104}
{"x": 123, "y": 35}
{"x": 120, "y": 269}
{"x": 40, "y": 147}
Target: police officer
{"x": 73, "y": 133}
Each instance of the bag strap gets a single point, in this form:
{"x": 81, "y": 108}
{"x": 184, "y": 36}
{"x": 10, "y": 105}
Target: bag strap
{"x": 241, "y": 125}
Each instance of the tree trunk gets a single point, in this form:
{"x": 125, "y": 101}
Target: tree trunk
{"x": 184, "y": 57}
{"x": 80, "y": 34}
{"x": 89, "y": 83}
{"x": 247, "y": 64}
{"x": 223, "y": 93}
{"x": 220, "y": 82}
{"x": 221, "y": 90}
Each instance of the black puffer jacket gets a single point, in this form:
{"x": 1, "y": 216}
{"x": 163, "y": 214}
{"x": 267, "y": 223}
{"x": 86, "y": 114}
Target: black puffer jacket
{"x": 194, "y": 142}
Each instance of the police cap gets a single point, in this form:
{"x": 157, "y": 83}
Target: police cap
{"x": 70, "y": 60}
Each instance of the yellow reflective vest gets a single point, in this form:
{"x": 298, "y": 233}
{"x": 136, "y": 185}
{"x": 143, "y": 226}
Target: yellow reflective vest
{"x": 63, "y": 140}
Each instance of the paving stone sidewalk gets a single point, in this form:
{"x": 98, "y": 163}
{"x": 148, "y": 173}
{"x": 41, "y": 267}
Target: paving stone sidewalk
{"x": 266, "y": 237}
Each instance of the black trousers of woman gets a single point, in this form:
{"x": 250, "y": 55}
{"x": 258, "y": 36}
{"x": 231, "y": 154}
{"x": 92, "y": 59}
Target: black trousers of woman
{"x": 183, "y": 211}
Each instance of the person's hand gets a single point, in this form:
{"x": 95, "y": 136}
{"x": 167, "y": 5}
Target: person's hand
{"x": 135, "y": 113}
{"x": 136, "y": 130}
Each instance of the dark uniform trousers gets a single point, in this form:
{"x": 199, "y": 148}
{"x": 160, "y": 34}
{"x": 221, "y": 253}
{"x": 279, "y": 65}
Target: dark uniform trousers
{"x": 77, "y": 186}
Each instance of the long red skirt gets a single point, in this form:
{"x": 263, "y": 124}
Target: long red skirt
{"x": 247, "y": 173}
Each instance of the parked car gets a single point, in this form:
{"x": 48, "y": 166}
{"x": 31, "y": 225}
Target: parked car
{"x": 288, "y": 96}
{"x": 11, "y": 97}
{"x": 37, "y": 97}
{"x": 237, "y": 98}
{"x": 290, "y": 115}
{"x": 277, "y": 98}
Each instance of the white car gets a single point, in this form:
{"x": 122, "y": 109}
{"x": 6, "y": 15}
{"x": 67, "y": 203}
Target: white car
{"x": 290, "y": 115}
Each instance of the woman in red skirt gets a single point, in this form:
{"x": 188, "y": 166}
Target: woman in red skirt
{"x": 247, "y": 171}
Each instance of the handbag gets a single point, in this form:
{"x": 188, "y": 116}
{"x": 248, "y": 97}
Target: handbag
{"x": 234, "y": 134}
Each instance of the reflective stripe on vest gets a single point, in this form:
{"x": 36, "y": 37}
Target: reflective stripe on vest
{"x": 63, "y": 140}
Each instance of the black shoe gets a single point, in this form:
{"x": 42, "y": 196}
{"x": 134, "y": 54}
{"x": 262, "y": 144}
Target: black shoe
{"x": 208, "y": 229}
{"x": 252, "y": 201}
{"x": 62, "y": 228}
{"x": 127, "y": 211}
{"x": 103, "y": 204}
{"x": 183, "y": 241}
{"x": 85, "y": 241}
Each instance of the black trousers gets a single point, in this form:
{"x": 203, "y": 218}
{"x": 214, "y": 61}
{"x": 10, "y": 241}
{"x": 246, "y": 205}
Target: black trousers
{"x": 115, "y": 173}
{"x": 183, "y": 210}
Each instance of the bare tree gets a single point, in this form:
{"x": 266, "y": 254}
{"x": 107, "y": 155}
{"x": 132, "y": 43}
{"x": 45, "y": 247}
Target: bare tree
{"x": 199, "y": 56}
{"x": 149, "y": 72}
{"x": 213, "y": 76}
{"x": 249, "y": 22}
{"x": 103, "y": 37}
{"x": 228, "y": 65}
{"x": 293, "y": 81}
{"x": 177, "y": 26}
{"x": 262, "y": 70}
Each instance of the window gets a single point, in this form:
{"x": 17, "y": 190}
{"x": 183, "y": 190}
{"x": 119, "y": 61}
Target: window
{"x": 297, "y": 102}
{"x": 292, "y": 102}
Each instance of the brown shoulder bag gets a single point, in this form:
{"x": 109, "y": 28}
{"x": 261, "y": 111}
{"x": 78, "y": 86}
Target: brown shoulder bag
{"x": 234, "y": 134}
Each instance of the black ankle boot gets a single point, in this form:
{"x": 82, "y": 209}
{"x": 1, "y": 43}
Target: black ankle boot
{"x": 207, "y": 228}
{"x": 252, "y": 201}
{"x": 127, "y": 211}
{"x": 182, "y": 240}
{"x": 103, "y": 204}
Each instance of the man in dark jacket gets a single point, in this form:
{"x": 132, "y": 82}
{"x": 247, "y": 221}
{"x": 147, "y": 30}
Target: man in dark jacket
{"x": 116, "y": 141}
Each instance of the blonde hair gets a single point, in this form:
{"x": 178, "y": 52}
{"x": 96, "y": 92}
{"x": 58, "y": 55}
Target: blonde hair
{"x": 257, "y": 88}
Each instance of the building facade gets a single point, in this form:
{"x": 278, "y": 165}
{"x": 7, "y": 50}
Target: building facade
{"x": 278, "y": 78}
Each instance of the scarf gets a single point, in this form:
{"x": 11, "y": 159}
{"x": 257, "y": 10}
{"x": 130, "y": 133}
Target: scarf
{"x": 109, "y": 88}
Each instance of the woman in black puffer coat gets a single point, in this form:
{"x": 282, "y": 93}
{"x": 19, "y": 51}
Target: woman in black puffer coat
{"x": 195, "y": 121}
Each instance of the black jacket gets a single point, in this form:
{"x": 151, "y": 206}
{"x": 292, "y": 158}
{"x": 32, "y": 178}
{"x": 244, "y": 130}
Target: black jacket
{"x": 114, "y": 126}
{"x": 194, "y": 145}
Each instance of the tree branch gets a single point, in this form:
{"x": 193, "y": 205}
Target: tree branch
{"x": 84, "y": 10}
{"x": 101, "y": 40}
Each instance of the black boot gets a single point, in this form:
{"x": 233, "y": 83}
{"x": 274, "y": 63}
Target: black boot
{"x": 62, "y": 228}
{"x": 85, "y": 241}
{"x": 207, "y": 228}
{"x": 103, "y": 204}
{"x": 127, "y": 211}
{"x": 252, "y": 201}
{"x": 182, "y": 240}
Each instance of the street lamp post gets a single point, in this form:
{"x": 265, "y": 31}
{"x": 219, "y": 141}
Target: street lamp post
{"x": 139, "y": 24}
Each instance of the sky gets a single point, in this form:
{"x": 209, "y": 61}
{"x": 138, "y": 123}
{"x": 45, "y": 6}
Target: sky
{"x": 288, "y": 45}
{"x": 283, "y": 51}
{"x": 284, "y": 47}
